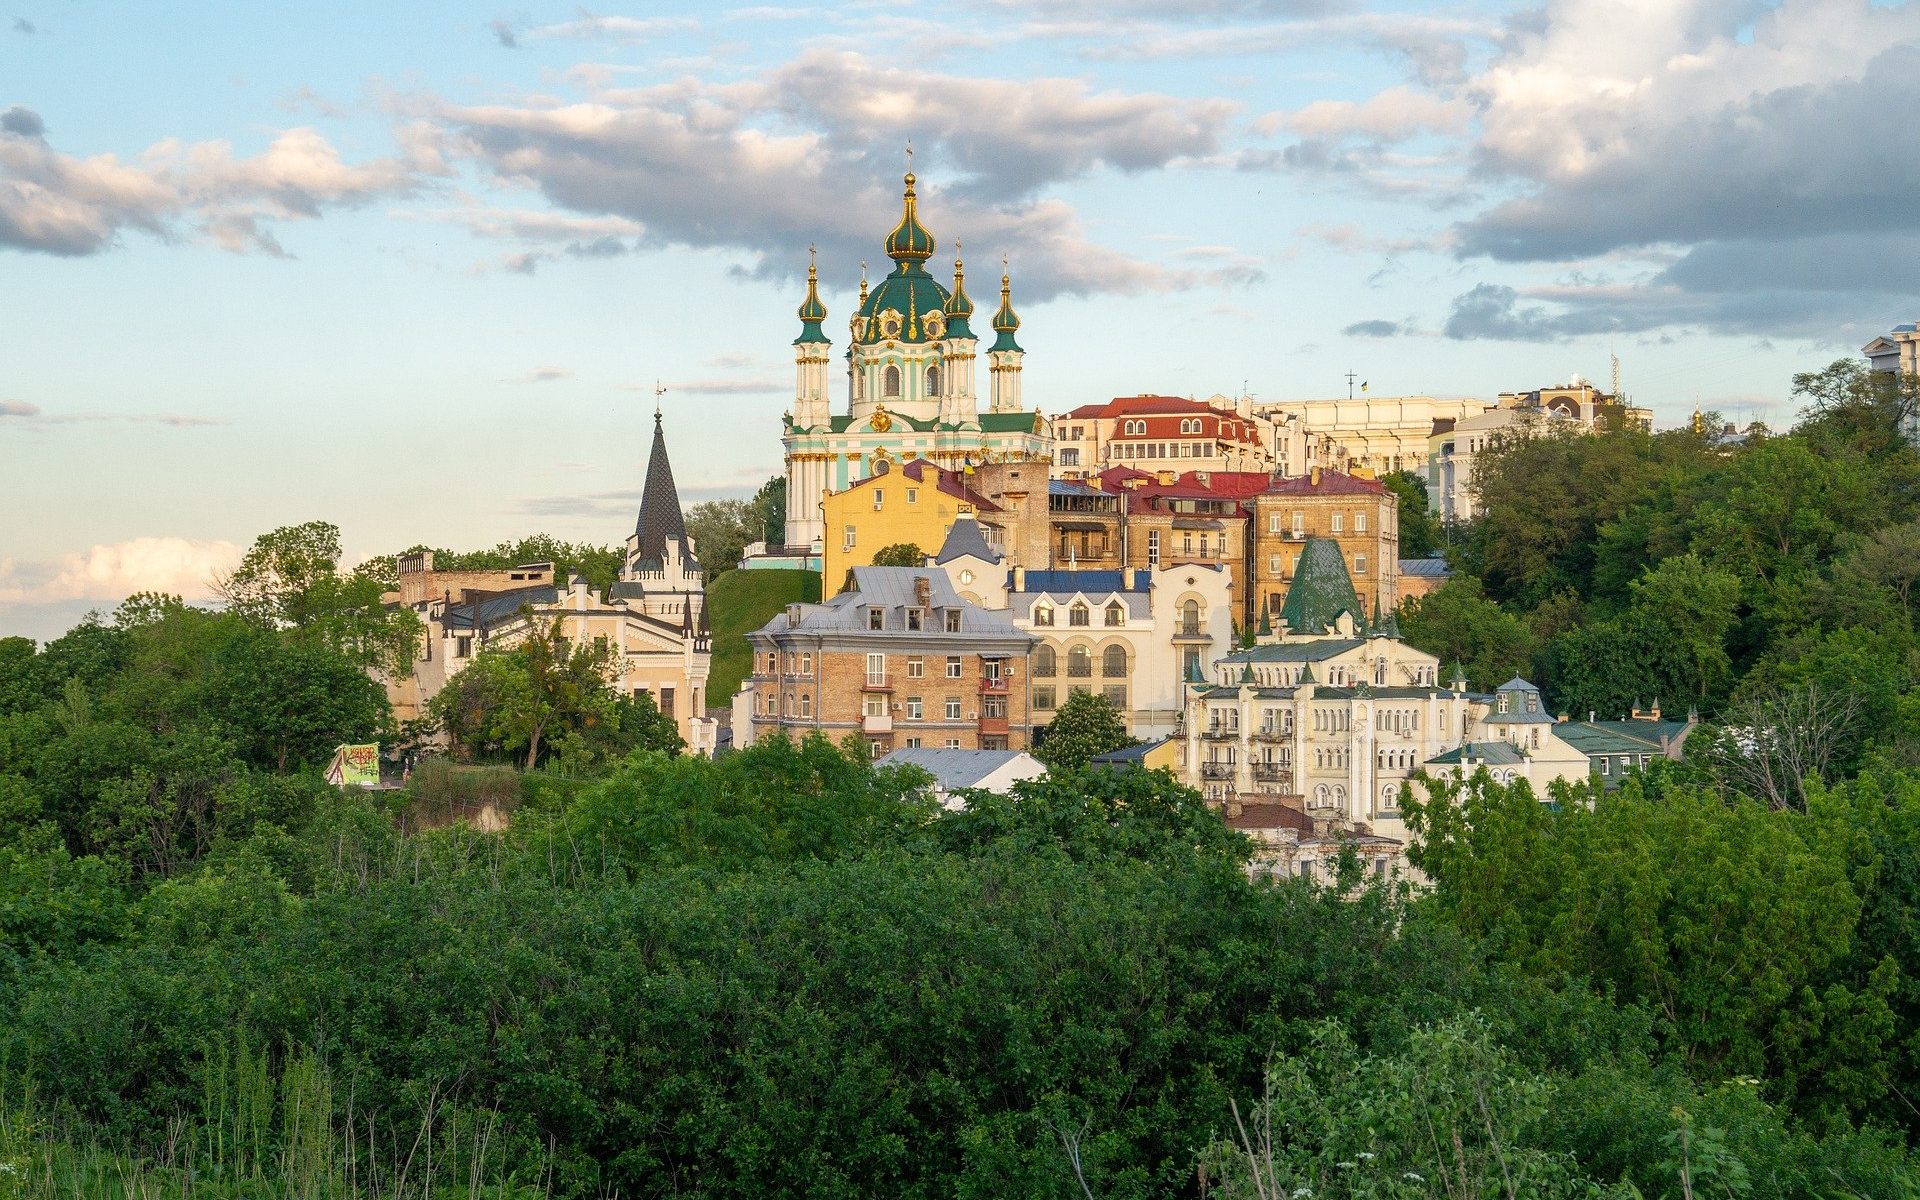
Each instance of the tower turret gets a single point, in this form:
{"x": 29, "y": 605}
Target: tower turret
{"x": 959, "y": 402}
{"x": 1003, "y": 357}
{"x": 810, "y": 351}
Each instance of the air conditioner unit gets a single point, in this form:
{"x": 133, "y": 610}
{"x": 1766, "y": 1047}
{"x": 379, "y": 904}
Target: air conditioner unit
{"x": 973, "y": 716}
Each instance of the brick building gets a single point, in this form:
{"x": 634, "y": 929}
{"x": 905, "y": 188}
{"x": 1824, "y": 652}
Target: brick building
{"x": 1360, "y": 516}
{"x": 898, "y": 660}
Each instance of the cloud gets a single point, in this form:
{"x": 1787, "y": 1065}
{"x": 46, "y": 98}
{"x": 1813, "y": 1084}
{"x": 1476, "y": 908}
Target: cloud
{"x": 18, "y": 408}
{"x": 547, "y": 374}
{"x": 32, "y": 414}
{"x": 792, "y": 153}
{"x": 1378, "y": 329}
{"x": 22, "y": 121}
{"x": 185, "y": 567}
{"x": 504, "y": 34}
{"x": 53, "y": 203}
{"x": 22, "y": 25}
{"x": 729, "y": 387}
{"x": 612, "y": 29}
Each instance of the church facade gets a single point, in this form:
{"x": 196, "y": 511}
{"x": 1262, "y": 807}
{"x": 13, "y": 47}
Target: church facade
{"x": 913, "y": 386}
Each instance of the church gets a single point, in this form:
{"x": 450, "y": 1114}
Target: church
{"x": 912, "y": 390}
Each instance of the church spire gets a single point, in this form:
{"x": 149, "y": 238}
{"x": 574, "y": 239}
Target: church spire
{"x": 660, "y": 523}
{"x": 959, "y": 307}
{"x": 910, "y": 242}
{"x": 812, "y": 312}
{"x": 1006, "y": 321}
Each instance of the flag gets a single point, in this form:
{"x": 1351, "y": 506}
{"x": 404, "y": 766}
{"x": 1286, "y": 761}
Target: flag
{"x": 1363, "y": 385}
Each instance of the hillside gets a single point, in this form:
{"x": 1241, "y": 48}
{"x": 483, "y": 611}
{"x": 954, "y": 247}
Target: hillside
{"x": 738, "y": 603}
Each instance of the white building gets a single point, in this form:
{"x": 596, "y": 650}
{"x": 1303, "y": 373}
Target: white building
{"x": 958, "y": 771}
{"x": 1375, "y": 434}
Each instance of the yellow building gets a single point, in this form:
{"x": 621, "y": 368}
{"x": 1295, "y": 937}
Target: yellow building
{"x": 916, "y": 503}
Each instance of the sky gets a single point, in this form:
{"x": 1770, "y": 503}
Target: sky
{"x": 415, "y": 269}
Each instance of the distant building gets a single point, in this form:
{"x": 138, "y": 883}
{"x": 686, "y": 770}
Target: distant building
{"x": 958, "y": 771}
{"x": 1374, "y": 435}
{"x": 1421, "y": 577}
{"x": 1455, "y": 445}
{"x": 1616, "y": 749}
{"x": 1360, "y": 517}
{"x": 899, "y": 660}
{"x": 1160, "y": 754}
{"x": 1155, "y": 433}
{"x": 654, "y": 618}
{"x": 1897, "y": 353}
{"x": 1517, "y": 740}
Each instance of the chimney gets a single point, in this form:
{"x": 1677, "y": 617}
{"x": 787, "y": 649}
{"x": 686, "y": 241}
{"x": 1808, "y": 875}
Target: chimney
{"x": 1019, "y": 579}
{"x": 1313, "y": 476}
{"x": 922, "y": 591}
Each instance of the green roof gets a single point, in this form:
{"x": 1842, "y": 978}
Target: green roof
{"x": 959, "y": 305}
{"x": 1491, "y": 752}
{"x": 1285, "y": 652}
{"x": 1321, "y": 590}
{"x": 912, "y": 293}
{"x": 1618, "y": 737}
{"x": 1005, "y": 321}
{"x": 812, "y": 312}
{"x": 910, "y": 241}
{"x": 1007, "y": 422}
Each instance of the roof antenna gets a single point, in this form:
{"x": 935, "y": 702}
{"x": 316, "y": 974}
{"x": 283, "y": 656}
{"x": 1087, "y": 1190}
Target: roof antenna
{"x": 658, "y": 391}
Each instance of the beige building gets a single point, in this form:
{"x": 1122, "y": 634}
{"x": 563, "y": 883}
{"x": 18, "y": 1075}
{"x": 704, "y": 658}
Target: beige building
{"x": 1372, "y": 435}
{"x": 899, "y": 660}
{"x": 654, "y": 617}
{"x": 1360, "y": 517}
{"x": 1160, "y": 433}
{"x": 1455, "y": 447}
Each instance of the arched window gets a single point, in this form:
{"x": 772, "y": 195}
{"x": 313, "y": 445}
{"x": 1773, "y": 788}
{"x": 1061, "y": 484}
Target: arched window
{"x": 1190, "y": 617}
{"x": 1113, "y": 662}
{"x": 890, "y": 385}
{"x": 933, "y": 381}
{"x": 1079, "y": 663}
{"x": 1079, "y": 614}
{"x": 1116, "y": 615}
{"x": 1044, "y": 664}
{"x": 1043, "y": 614}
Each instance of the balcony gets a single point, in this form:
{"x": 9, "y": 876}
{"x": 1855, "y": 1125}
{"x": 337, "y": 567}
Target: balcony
{"x": 993, "y": 726}
{"x": 994, "y": 687}
{"x": 1185, "y": 632}
{"x": 1216, "y": 770}
{"x": 1273, "y": 772}
{"x": 878, "y": 683}
{"x": 1220, "y": 733}
{"x": 876, "y": 724}
{"x": 1264, "y": 734}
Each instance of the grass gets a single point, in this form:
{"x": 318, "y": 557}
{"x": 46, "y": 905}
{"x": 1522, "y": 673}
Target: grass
{"x": 740, "y": 602}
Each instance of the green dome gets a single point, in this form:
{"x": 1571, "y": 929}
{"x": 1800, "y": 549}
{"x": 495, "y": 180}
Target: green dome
{"x": 910, "y": 241}
{"x": 812, "y": 312}
{"x": 910, "y": 294}
{"x": 1006, "y": 321}
{"x": 959, "y": 307}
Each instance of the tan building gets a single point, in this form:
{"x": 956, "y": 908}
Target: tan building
{"x": 1360, "y": 516}
{"x": 1454, "y": 447}
{"x": 1373, "y": 435}
{"x": 899, "y": 660}
{"x": 913, "y": 505}
{"x": 1160, "y": 433}
{"x": 653, "y": 618}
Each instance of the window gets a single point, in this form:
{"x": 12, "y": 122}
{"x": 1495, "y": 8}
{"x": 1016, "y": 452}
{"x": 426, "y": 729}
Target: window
{"x": 1079, "y": 614}
{"x": 876, "y": 669}
{"x": 953, "y": 620}
{"x": 1299, "y": 523}
{"x": 953, "y": 666}
{"x": 462, "y": 647}
{"x": 1079, "y": 663}
{"x": 1153, "y": 547}
{"x": 1190, "y": 667}
{"x": 915, "y": 708}
{"x": 933, "y": 381}
{"x": 1533, "y": 702}
{"x": 1359, "y": 564}
{"x": 1359, "y": 522}
{"x": 953, "y": 708}
{"x": 1339, "y": 522}
{"x": 806, "y": 704}
{"x": 1190, "y": 618}
{"x": 666, "y": 701}
{"x": 916, "y": 619}
{"x": 874, "y": 706}
{"x": 876, "y": 747}
{"x": 1043, "y": 698}
{"x": 879, "y": 498}
{"x": 876, "y": 618}
{"x": 916, "y": 667}
{"x": 1186, "y": 542}
{"x": 806, "y": 664}
{"x": 1113, "y": 662}
{"x": 1045, "y": 664}
{"x": 1603, "y": 765}
{"x": 913, "y": 743}
{"x": 846, "y": 539}
{"x": 953, "y": 743}
{"x": 1116, "y": 615}
{"x": 1116, "y": 695}
{"x": 1500, "y": 705}
{"x": 1043, "y": 614}
{"x": 1273, "y": 522}
{"x": 890, "y": 385}
{"x": 1273, "y": 564}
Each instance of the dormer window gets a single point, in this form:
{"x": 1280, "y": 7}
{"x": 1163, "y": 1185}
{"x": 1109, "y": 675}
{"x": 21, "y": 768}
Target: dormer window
{"x": 916, "y": 619}
{"x": 1116, "y": 615}
{"x": 1502, "y": 703}
{"x": 1043, "y": 614}
{"x": 953, "y": 620}
{"x": 1079, "y": 614}
{"x": 876, "y": 618}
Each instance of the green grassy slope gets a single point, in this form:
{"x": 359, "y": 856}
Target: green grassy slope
{"x": 738, "y": 603}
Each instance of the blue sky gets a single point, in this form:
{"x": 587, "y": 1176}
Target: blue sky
{"x": 414, "y": 268}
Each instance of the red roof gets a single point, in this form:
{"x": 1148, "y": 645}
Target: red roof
{"x": 1235, "y": 484}
{"x": 1136, "y": 406}
{"x": 1331, "y": 483}
{"x": 1269, "y": 814}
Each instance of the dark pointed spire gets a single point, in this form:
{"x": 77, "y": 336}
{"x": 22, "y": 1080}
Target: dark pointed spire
{"x": 1005, "y": 322}
{"x": 812, "y": 312}
{"x": 660, "y": 519}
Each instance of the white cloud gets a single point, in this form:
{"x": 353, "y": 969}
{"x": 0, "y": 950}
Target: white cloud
{"x": 108, "y": 574}
{"x": 546, "y": 374}
{"x": 610, "y": 29}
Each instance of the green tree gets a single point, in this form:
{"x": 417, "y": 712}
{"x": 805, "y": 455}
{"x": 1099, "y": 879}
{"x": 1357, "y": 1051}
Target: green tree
{"x": 721, "y": 530}
{"x": 290, "y": 579}
{"x": 286, "y": 704}
{"x": 1085, "y": 725}
{"x": 531, "y": 697}
{"x": 1420, "y": 532}
{"x": 599, "y": 565}
{"x": 1458, "y": 623}
{"x": 900, "y": 554}
{"x": 770, "y": 507}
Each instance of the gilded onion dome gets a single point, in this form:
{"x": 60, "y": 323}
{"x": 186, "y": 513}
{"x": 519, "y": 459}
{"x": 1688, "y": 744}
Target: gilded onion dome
{"x": 812, "y": 312}
{"x": 1006, "y": 321}
{"x": 959, "y": 307}
{"x": 909, "y": 305}
{"x": 910, "y": 240}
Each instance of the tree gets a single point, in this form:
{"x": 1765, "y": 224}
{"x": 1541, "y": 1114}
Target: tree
{"x": 1457, "y": 623}
{"x": 770, "y": 504}
{"x": 1779, "y": 740}
{"x": 721, "y": 530}
{"x": 900, "y": 554}
{"x": 1084, "y": 726}
{"x": 1420, "y": 532}
{"x": 286, "y": 704}
{"x": 599, "y": 565}
{"x": 543, "y": 689}
{"x": 290, "y": 580}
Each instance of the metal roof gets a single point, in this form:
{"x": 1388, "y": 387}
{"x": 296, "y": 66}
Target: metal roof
{"x": 954, "y": 769}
